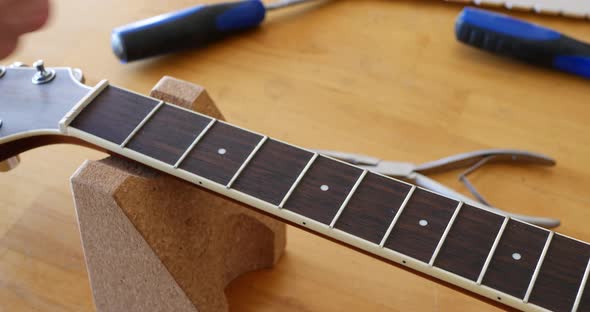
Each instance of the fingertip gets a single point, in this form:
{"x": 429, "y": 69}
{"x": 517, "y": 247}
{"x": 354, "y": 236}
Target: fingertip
{"x": 28, "y": 16}
{"x": 7, "y": 46}
{"x": 41, "y": 16}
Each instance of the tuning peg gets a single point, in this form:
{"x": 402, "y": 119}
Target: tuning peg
{"x": 78, "y": 75}
{"x": 2, "y": 71}
{"x": 9, "y": 164}
{"x": 42, "y": 75}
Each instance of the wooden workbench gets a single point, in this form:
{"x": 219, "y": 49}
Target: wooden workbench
{"x": 384, "y": 78}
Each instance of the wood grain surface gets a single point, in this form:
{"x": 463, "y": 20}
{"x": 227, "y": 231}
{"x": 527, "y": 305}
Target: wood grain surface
{"x": 372, "y": 207}
{"x": 272, "y": 171}
{"x": 168, "y": 134}
{"x": 323, "y": 189}
{"x": 474, "y": 230}
{"x": 114, "y": 114}
{"x": 420, "y": 240}
{"x": 527, "y": 242}
{"x": 220, "y": 153}
{"x": 385, "y": 78}
{"x": 560, "y": 268}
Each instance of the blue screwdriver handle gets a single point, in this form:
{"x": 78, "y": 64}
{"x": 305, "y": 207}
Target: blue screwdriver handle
{"x": 498, "y": 33}
{"x": 188, "y": 28}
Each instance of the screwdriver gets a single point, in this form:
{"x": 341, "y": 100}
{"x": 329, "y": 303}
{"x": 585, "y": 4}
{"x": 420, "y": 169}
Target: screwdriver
{"x": 189, "y": 28}
{"x": 534, "y": 44}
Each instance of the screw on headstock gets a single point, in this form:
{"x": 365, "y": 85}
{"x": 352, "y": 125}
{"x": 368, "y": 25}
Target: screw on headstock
{"x": 43, "y": 75}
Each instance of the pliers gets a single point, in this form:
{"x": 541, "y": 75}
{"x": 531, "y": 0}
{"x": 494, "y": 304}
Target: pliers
{"x": 471, "y": 160}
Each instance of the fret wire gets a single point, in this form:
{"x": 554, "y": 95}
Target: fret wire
{"x": 298, "y": 180}
{"x": 474, "y": 204}
{"x": 538, "y": 268}
{"x": 315, "y": 156}
{"x": 445, "y": 233}
{"x": 245, "y": 163}
{"x": 581, "y": 289}
{"x": 397, "y": 215}
{"x": 81, "y": 105}
{"x": 194, "y": 143}
{"x": 486, "y": 264}
{"x": 312, "y": 151}
{"x": 142, "y": 123}
{"x": 356, "y": 185}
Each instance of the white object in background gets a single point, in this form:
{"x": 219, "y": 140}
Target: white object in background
{"x": 569, "y": 8}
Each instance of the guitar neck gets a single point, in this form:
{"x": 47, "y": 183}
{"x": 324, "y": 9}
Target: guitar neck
{"x": 503, "y": 259}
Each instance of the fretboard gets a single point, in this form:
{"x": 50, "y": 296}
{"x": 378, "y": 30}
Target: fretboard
{"x": 503, "y": 259}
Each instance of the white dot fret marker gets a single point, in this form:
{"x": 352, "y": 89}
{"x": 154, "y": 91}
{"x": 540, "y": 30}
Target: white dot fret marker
{"x": 324, "y": 188}
{"x": 423, "y": 222}
{"x": 516, "y": 256}
{"x": 221, "y": 151}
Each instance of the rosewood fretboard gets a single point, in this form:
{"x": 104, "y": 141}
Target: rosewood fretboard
{"x": 503, "y": 259}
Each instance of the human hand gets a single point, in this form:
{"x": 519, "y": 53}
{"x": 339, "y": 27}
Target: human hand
{"x": 18, "y": 17}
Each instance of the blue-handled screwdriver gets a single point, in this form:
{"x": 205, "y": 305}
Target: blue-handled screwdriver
{"x": 189, "y": 28}
{"x": 502, "y": 34}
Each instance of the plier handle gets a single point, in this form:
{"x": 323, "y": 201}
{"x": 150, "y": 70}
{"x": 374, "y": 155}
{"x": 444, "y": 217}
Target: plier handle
{"x": 471, "y": 160}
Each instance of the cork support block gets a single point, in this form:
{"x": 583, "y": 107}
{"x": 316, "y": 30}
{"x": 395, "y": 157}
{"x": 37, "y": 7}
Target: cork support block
{"x": 155, "y": 243}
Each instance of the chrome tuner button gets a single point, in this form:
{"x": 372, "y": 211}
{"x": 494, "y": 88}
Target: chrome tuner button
{"x": 42, "y": 75}
{"x": 78, "y": 75}
{"x": 2, "y": 71}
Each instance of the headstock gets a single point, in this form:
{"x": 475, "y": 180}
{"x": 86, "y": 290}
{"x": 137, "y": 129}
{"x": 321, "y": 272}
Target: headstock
{"x": 32, "y": 102}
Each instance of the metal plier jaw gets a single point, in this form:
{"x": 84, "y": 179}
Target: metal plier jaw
{"x": 472, "y": 161}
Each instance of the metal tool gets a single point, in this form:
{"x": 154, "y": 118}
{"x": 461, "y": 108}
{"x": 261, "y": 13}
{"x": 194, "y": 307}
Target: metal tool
{"x": 502, "y": 34}
{"x": 569, "y": 8}
{"x": 472, "y": 161}
{"x": 284, "y": 3}
{"x": 189, "y": 28}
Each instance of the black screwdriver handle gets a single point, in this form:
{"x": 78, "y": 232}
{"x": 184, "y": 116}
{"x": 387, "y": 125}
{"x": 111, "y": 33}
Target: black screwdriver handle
{"x": 188, "y": 28}
{"x": 505, "y": 35}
